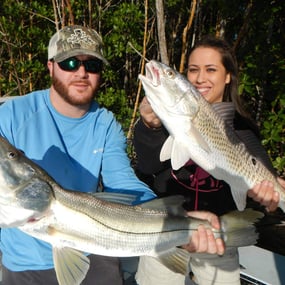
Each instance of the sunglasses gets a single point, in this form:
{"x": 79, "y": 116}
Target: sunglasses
{"x": 93, "y": 65}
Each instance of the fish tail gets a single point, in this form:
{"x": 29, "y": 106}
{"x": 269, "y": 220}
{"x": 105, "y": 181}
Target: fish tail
{"x": 239, "y": 228}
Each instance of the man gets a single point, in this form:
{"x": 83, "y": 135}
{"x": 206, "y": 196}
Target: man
{"x": 64, "y": 131}
{"x": 78, "y": 143}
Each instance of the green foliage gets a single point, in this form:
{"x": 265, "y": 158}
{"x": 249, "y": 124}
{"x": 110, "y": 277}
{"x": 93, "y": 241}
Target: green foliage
{"x": 125, "y": 23}
{"x": 116, "y": 100}
{"x": 262, "y": 68}
{"x": 123, "y": 26}
{"x": 273, "y": 132}
{"x": 255, "y": 28}
{"x": 23, "y": 46}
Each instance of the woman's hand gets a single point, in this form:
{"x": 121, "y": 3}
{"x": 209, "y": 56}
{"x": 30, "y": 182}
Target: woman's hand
{"x": 149, "y": 118}
{"x": 203, "y": 240}
{"x": 265, "y": 194}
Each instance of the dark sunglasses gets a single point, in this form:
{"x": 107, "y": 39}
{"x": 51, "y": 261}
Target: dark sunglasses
{"x": 93, "y": 65}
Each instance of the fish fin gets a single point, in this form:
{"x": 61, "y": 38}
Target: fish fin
{"x": 70, "y": 265}
{"x": 176, "y": 151}
{"x": 180, "y": 155}
{"x": 126, "y": 199}
{"x": 166, "y": 149}
{"x": 172, "y": 205}
{"x": 198, "y": 139}
{"x": 240, "y": 200}
{"x": 176, "y": 259}
{"x": 239, "y": 196}
{"x": 239, "y": 227}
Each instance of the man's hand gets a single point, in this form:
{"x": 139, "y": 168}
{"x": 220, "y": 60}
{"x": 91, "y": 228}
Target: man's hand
{"x": 264, "y": 194}
{"x": 148, "y": 116}
{"x": 203, "y": 240}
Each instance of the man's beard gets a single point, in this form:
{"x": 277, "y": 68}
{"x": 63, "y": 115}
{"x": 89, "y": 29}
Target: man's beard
{"x": 62, "y": 91}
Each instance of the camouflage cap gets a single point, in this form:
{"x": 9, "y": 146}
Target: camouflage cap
{"x": 75, "y": 40}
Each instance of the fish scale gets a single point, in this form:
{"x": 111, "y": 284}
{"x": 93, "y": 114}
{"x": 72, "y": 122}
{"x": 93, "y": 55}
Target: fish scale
{"x": 235, "y": 164}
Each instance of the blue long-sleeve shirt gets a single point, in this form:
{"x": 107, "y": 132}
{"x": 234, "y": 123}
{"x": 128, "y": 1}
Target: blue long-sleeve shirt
{"x": 76, "y": 152}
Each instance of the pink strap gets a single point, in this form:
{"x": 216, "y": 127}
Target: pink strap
{"x": 197, "y": 179}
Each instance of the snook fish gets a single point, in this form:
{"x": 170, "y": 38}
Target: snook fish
{"x": 197, "y": 132}
{"x": 74, "y": 222}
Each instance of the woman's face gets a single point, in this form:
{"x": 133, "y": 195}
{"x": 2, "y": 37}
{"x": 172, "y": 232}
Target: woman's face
{"x": 207, "y": 73}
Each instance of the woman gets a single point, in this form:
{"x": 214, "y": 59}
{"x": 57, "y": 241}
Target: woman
{"x": 212, "y": 69}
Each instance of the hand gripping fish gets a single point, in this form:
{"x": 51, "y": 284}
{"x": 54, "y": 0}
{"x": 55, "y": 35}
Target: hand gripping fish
{"x": 75, "y": 222}
{"x": 197, "y": 132}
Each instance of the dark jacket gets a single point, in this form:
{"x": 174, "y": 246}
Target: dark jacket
{"x": 201, "y": 190}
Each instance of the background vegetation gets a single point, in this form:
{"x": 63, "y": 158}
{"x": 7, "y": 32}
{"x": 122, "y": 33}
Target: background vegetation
{"x": 163, "y": 30}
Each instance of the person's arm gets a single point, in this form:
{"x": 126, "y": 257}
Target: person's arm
{"x": 116, "y": 171}
{"x": 149, "y": 136}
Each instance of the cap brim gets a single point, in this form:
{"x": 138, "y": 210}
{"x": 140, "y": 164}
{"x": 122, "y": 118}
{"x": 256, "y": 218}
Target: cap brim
{"x": 65, "y": 55}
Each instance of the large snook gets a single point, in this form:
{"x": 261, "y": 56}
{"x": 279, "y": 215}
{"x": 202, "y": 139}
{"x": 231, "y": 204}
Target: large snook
{"x": 74, "y": 222}
{"x": 197, "y": 132}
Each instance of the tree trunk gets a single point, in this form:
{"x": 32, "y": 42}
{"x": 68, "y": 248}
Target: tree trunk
{"x": 161, "y": 31}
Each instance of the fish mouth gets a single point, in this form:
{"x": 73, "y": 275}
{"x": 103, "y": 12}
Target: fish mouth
{"x": 152, "y": 74}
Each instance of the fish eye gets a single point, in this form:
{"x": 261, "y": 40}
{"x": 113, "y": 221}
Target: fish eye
{"x": 11, "y": 155}
{"x": 170, "y": 73}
